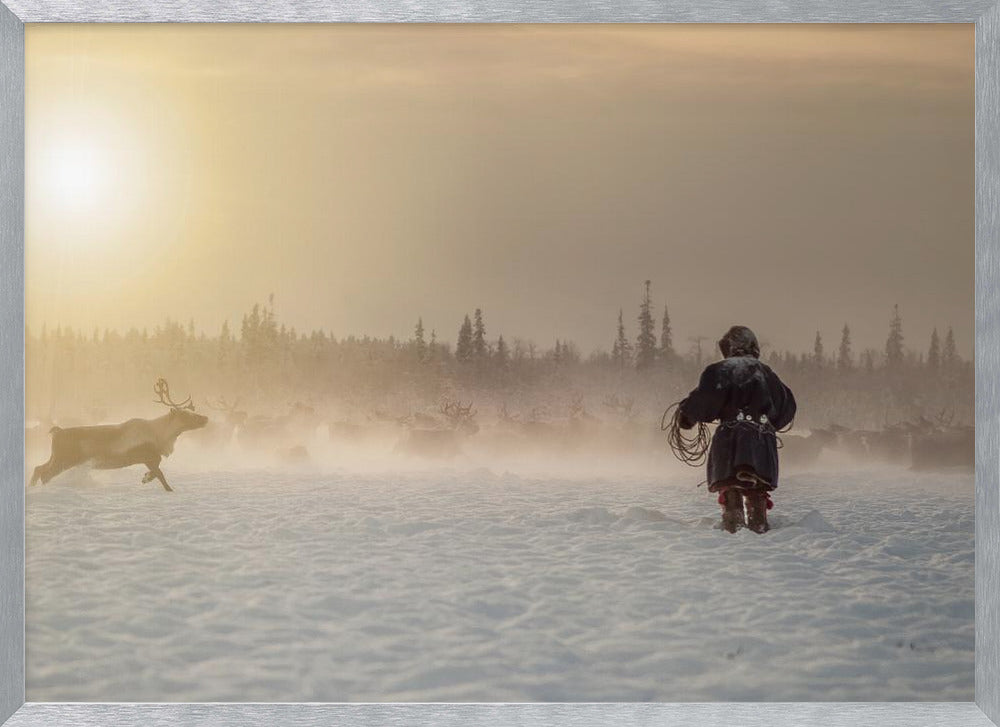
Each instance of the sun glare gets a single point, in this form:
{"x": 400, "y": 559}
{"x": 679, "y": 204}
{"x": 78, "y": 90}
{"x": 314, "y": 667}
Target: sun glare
{"x": 74, "y": 175}
{"x": 83, "y": 187}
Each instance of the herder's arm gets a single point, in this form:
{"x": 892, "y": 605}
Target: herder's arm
{"x": 705, "y": 403}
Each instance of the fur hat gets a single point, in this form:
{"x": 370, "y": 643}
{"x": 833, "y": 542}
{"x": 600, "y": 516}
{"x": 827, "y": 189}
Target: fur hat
{"x": 739, "y": 341}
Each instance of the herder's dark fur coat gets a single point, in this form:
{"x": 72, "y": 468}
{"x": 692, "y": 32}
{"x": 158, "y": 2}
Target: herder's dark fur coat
{"x": 727, "y": 388}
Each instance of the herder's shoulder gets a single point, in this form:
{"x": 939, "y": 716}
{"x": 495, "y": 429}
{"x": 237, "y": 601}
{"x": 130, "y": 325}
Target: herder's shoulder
{"x": 726, "y": 372}
{"x": 738, "y": 367}
{"x": 713, "y": 372}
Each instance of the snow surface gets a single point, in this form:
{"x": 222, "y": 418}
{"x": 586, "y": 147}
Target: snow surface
{"x": 455, "y": 584}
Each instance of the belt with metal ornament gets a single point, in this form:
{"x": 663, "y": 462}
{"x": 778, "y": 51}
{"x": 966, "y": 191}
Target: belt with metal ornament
{"x": 741, "y": 418}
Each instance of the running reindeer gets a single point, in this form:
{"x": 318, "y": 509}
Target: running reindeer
{"x": 113, "y": 446}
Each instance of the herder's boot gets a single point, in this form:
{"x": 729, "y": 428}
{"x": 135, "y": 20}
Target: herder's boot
{"x": 757, "y": 502}
{"x": 732, "y": 510}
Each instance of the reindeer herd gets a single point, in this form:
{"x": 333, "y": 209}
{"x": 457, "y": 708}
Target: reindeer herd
{"x": 453, "y": 428}
{"x": 921, "y": 444}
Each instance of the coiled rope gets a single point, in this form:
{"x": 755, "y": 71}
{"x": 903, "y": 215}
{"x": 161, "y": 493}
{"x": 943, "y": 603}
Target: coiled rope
{"x": 691, "y": 449}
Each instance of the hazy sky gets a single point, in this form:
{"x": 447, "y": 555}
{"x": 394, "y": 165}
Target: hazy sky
{"x": 787, "y": 178}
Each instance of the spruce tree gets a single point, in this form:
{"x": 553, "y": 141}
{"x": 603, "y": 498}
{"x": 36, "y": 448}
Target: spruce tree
{"x": 502, "y": 355}
{"x": 844, "y": 358}
{"x": 868, "y": 359}
{"x": 419, "y": 345}
{"x": 894, "y": 343}
{"x": 934, "y": 352}
{"x": 666, "y": 338}
{"x": 463, "y": 347}
{"x": 950, "y": 357}
{"x": 225, "y": 344}
{"x": 699, "y": 353}
{"x": 818, "y": 350}
{"x": 479, "y": 337}
{"x": 645, "y": 344}
{"x": 621, "y": 352}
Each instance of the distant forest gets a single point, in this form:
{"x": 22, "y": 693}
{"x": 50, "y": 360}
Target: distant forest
{"x": 269, "y": 366}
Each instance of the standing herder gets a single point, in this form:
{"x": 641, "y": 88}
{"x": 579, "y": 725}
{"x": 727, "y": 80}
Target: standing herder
{"x": 750, "y": 402}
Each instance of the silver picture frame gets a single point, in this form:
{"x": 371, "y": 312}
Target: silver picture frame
{"x": 985, "y": 14}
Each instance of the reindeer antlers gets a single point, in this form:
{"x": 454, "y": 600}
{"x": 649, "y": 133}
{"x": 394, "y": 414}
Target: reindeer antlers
{"x": 223, "y": 404}
{"x": 162, "y": 391}
{"x": 945, "y": 418}
{"x": 455, "y": 411}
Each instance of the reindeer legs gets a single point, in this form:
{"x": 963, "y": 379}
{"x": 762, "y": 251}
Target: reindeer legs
{"x": 155, "y": 473}
{"x": 59, "y": 461}
{"x": 40, "y": 473}
{"x": 47, "y": 471}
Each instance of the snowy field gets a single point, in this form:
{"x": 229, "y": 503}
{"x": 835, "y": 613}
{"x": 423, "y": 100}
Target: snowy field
{"x": 466, "y": 584}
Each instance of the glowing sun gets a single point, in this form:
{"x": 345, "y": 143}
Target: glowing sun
{"x": 74, "y": 174}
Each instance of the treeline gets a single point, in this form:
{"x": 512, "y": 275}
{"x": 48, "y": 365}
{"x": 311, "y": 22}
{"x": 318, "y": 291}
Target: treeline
{"x": 107, "y": 374}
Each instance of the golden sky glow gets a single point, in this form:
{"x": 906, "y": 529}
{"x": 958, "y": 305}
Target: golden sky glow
{"x": 788, "y": 178}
